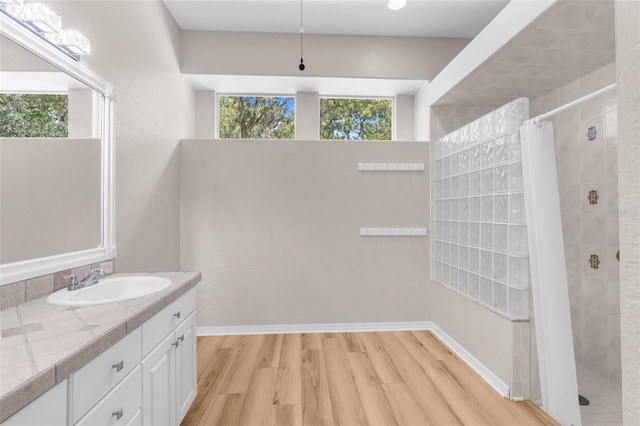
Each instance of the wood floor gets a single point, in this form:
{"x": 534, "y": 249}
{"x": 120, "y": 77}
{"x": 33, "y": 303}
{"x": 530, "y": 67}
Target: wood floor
{"x": 378, "y": 379}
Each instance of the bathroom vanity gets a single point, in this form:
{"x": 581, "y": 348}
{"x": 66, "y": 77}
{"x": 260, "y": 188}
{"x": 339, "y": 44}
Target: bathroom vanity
{"x": 140, "y": 369}
{"x": 125, "y": 362}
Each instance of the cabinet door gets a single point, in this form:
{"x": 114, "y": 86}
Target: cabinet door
{"x": 186, "y": 381}
{"x": 136, "y": 420}
{"x": 158, "y": 384}
{"x": 49, "y": 409}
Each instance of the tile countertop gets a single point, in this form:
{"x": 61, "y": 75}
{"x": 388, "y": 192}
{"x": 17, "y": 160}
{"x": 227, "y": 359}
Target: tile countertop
{"x": 42, "y": 344}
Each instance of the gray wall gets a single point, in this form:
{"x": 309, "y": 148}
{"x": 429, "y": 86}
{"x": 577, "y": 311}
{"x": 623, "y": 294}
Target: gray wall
{"x": 274, "y": 228}
{"x": 135, "y": 47}
{"x": 324, "y": 55}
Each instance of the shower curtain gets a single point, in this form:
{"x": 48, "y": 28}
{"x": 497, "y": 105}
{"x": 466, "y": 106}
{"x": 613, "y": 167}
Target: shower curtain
{"x": 549, "y": 287}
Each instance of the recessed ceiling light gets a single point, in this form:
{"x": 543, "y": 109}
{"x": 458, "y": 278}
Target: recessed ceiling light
{"x": 397, "y": 4}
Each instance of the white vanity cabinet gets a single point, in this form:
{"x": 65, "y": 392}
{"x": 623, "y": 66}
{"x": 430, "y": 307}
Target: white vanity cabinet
{"x": 169, "y": 369}
{"x": 121, "y": 406}
{"x": 93, "y": 381}
{"x": 48, "y": 409}
{"x": 148, "y": 377}
{"x": 186, "y": 368}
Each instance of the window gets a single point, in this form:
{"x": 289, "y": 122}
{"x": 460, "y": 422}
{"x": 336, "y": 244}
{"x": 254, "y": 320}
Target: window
{"x": 256, "y": 117}
{"x": 355, "y": 119}
{"x": 34, "y": 116}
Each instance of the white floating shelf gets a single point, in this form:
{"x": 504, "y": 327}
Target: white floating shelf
{"x": 393, "y": 232}
{"x": 390, "y": 167}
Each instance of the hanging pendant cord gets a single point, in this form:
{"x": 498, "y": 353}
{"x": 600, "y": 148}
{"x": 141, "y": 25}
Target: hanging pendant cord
{"x": 301, "y": 67}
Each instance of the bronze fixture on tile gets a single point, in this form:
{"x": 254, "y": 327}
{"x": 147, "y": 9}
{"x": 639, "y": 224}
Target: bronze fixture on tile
{"x": 593, "y": 197}
{"x": 594, "y": 262}
{"x": 592, "y": 133}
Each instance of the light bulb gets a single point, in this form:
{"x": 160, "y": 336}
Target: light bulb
{"x": 396, "y": 4}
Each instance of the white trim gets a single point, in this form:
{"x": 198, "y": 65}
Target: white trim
{"x": 31, "y": 268}
{"x": 18, "y": 271}
{"x": 483, "y": 371}
{"x": 15, "y": 32}
{"x": 393, "y": 232}
{"x": 391, "y": 167}
{"x": 313, "y": 328}
{"x": 487, "y": 375}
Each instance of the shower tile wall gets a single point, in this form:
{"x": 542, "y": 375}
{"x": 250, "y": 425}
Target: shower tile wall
{"x": 480, "y": 232}
{"x": 585, "y": 165}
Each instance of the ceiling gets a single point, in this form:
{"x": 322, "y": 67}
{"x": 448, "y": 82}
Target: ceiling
{"x": 569, "y": 40}
{"x": 420, "y": 18}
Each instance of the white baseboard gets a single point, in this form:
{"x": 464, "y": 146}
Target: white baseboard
{"x": 314, "y": 328}
{"x": 489, "y": 376}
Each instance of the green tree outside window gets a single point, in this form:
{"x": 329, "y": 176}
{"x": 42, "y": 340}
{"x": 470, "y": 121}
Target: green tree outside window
{"x": 355, "y": 119}
{"x": 255, "y": 117}
{"x": 34, "y": 116}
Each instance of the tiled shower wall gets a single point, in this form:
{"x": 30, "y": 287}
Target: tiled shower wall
{"x": 585, "y": 165}
{"x": 480, "y": 232}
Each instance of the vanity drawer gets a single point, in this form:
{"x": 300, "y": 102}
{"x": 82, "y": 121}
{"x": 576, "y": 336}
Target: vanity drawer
{"x": 165, "y": 321}
{"x": 121, "y": 406}
{"x": 97, "y": 378}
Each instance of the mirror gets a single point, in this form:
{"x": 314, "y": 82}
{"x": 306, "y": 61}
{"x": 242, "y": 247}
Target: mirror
{"x": 56, "y": 153}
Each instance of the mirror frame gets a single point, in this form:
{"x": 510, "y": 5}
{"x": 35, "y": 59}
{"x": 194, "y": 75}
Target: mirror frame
{"x": 22, "y": 270}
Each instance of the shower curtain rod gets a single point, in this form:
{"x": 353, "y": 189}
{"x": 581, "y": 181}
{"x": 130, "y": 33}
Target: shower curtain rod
{"x": 578, "y": 101}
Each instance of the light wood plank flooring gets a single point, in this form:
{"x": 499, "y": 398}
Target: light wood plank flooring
{"x": 332, "y": 379}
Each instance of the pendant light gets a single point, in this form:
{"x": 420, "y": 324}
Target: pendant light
{"x": 301, "y": 67}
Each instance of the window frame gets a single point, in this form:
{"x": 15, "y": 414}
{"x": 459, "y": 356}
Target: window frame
{"x": 393, "y": 116}
{"x": 262, "y": 95}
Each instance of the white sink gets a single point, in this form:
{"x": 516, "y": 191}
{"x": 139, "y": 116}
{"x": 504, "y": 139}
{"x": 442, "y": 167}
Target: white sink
{"x": 110, "y": 290}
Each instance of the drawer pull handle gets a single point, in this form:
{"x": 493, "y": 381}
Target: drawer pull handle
{"x": 118, "y": 414}
{"x": 176, "y": 343}
{"x": 181, "y": 338}
{"x": 177, "y": 315}
{"x": 118, "y": 366}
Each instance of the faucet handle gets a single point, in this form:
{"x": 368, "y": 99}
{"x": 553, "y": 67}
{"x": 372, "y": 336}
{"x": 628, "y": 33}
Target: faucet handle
{"x": 98, "y": 271}
{"x": 73, "y": 280}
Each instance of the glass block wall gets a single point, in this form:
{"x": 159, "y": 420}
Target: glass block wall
{"x": 480, "y": 230}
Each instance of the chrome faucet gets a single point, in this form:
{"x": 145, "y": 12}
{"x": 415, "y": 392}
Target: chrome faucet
{"x": 89, "y": 280}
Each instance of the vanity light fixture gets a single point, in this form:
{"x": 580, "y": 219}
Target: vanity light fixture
{"x": 37, "y": 17}
{"x": 41, "y": 20}
{"x": 72, "y": 42}
{"x": 396, "y": 4}
{"x": 5, "y": 3}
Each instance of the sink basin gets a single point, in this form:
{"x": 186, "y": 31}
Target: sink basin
{"x": 110, "y": 290}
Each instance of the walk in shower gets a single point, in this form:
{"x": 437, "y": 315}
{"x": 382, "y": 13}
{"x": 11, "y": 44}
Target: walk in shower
{"x": 586, "y": 157}
{"x": 481, "y": 239}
